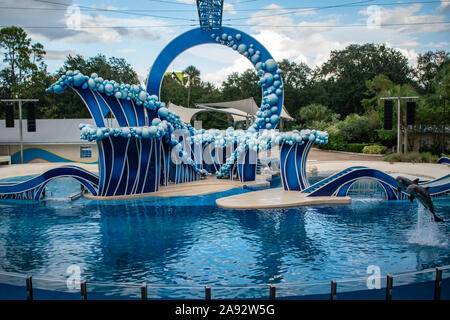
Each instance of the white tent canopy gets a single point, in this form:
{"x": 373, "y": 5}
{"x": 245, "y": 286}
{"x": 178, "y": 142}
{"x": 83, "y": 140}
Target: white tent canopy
{"x": 248, "y": 106}
{"x": 186, "y": 114}
{"x": 239, "y": 110}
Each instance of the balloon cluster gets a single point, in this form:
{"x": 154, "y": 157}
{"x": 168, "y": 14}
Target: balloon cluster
{"x": 128, "y": 92}
{"x": 264, "y": 140}
{"x": 269, "y": 79}
{"x": 158, "y": 129}
{"x": 164, "y": 125}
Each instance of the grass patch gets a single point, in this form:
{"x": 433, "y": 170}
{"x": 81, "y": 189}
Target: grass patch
{"x": 416, "y": 157}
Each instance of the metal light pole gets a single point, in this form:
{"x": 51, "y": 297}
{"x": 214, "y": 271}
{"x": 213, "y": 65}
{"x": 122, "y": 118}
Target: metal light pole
{"x": 399, "y": 115}
{"x": 20, "y": 121}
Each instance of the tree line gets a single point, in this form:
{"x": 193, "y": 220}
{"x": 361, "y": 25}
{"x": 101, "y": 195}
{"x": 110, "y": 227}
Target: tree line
{"x": 341, "y": 96}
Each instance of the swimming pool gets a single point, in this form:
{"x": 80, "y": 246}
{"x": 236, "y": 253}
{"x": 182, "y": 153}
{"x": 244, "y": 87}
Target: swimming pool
{"x": 180, "y": 244}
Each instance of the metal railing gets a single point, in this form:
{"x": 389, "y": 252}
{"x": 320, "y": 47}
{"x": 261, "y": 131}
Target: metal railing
{"x": 336, "y": 287}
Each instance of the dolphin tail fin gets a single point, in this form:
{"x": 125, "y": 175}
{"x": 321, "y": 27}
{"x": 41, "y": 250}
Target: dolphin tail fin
{"x": 411, "y": 198}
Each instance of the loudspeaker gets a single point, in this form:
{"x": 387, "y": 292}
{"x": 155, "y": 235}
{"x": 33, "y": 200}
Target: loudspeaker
{"x": 9, "y": 108}
{"x": 410, "y": 112}
{"x": 31, "y": 117}
{"x": 388, "y": 109}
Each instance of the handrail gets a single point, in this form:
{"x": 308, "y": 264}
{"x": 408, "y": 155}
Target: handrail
{"x": 234, "y": 286}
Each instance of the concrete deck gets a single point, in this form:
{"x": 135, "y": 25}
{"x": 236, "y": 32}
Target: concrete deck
{"x": 194, "y": 188}
{"x": 19, "y": 170}
{"x": 275, "y": 198}
{"x": 429, "y": 170}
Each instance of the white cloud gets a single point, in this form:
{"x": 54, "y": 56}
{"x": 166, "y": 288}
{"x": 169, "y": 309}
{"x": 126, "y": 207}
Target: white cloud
{"x": 62, "y": 22}
{"x": 445, "y": 5}
{"x": 441, "y": 44}
{"x": 240, "y": 64}
{"x": 58, "y": 54}
{"x": 126, "y": 50}
{"x": 311, "y": 43}
{"x": 111, "y": 29}
{"x": 305, "y": 12}
{"x": 413, "y": 22}
{"x": 228, "y": 8}
{"x": 263, "y": 20}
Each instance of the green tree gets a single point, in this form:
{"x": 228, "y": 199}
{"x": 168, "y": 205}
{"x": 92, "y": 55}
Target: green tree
{"x": 429, "y": 64}
{"x": 173, "y": 90}
{"x": 297, "y": 85}
{"x": 68, "y": 104}
{"x": 317, "y": 116}
{"x": 192, "y": 78}
{"x": 113, "y": 68}
{"x": 241, "y": 86}
{"x": 346, "y": 72}
{"x": 24, "y": 62}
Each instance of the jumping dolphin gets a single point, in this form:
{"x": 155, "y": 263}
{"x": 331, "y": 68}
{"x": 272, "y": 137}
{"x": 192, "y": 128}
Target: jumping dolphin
{"x": 423, "y": 196}
{"x": 404, "y": 183}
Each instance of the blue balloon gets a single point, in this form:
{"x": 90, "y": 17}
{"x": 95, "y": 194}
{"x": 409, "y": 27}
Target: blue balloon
{"x": 271, "y": 65}
{"x": 268, "y": 78}
{"x": 163, "y": 112}
{"x": 274, "y": 119}
{"x": 91, "y": 83}
{"x": 242, "y": 48}
{"x": 272, "y": 99}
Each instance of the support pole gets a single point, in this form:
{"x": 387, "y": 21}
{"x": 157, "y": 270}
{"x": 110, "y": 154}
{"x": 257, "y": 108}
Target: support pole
{"x": 20, "y": 131}
{"x": 333, "y": 290}
{"x": 20, "y": 121}
{"x": 399, "y": 125}
{"x": 144, "y": 295}
{"x": 273, "y": 293}
{"x": 83, "y": 291}
{"x": 389, "y": 286}
{"x": 207, "y": 293}
{"x": 438, "y": 284}
{"x": 29, "y": 282}
{"x": 399, "y": 136}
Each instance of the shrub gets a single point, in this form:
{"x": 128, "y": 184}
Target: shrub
{"x": 433, "y": 149}
{"x": 387, "y": 138}
{"x": 356, "y": 128}
{"x": 424, "y": 157}
{"x": 374, "y": 149}
{"x": 335, "y": 139}
{"x": 356, "y": 147}
{"x": 335, "y": 142}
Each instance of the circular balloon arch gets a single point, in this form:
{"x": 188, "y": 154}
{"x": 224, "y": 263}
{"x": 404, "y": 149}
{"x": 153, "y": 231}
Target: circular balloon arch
{"x": 266, "y": 67}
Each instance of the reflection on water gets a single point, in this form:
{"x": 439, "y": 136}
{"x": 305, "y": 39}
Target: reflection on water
{"x": 190, "y": 241}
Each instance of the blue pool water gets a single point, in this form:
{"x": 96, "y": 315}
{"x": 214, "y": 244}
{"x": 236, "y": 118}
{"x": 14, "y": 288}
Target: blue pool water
{"x": 188, "y": 241}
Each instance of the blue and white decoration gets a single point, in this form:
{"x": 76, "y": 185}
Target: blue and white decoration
{"x": 34, "y": 188}
{"x": 131, "y": 155}
{"x": 269, "y": 74}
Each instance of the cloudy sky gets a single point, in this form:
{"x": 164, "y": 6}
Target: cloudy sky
{"x": 303, "y": 31}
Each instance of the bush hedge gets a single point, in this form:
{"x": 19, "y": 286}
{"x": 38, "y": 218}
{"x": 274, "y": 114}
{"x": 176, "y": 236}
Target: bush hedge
{"x": 424, "y": 157}
{"x": 375, "y": 149}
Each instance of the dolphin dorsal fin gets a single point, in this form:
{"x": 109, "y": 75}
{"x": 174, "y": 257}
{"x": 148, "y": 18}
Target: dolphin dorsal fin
{"x": 416, "y": 181}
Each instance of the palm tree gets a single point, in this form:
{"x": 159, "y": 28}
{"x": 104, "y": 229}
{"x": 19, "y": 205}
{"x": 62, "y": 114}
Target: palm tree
{"x": 192, "y": 77}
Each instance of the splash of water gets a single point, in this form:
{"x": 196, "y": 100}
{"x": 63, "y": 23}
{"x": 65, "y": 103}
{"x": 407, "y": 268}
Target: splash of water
{"x": 427, "y": 231}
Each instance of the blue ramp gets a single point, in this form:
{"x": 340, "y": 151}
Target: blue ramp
{"x": 339, "y": 184}
{"x": 33, "y": 188}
